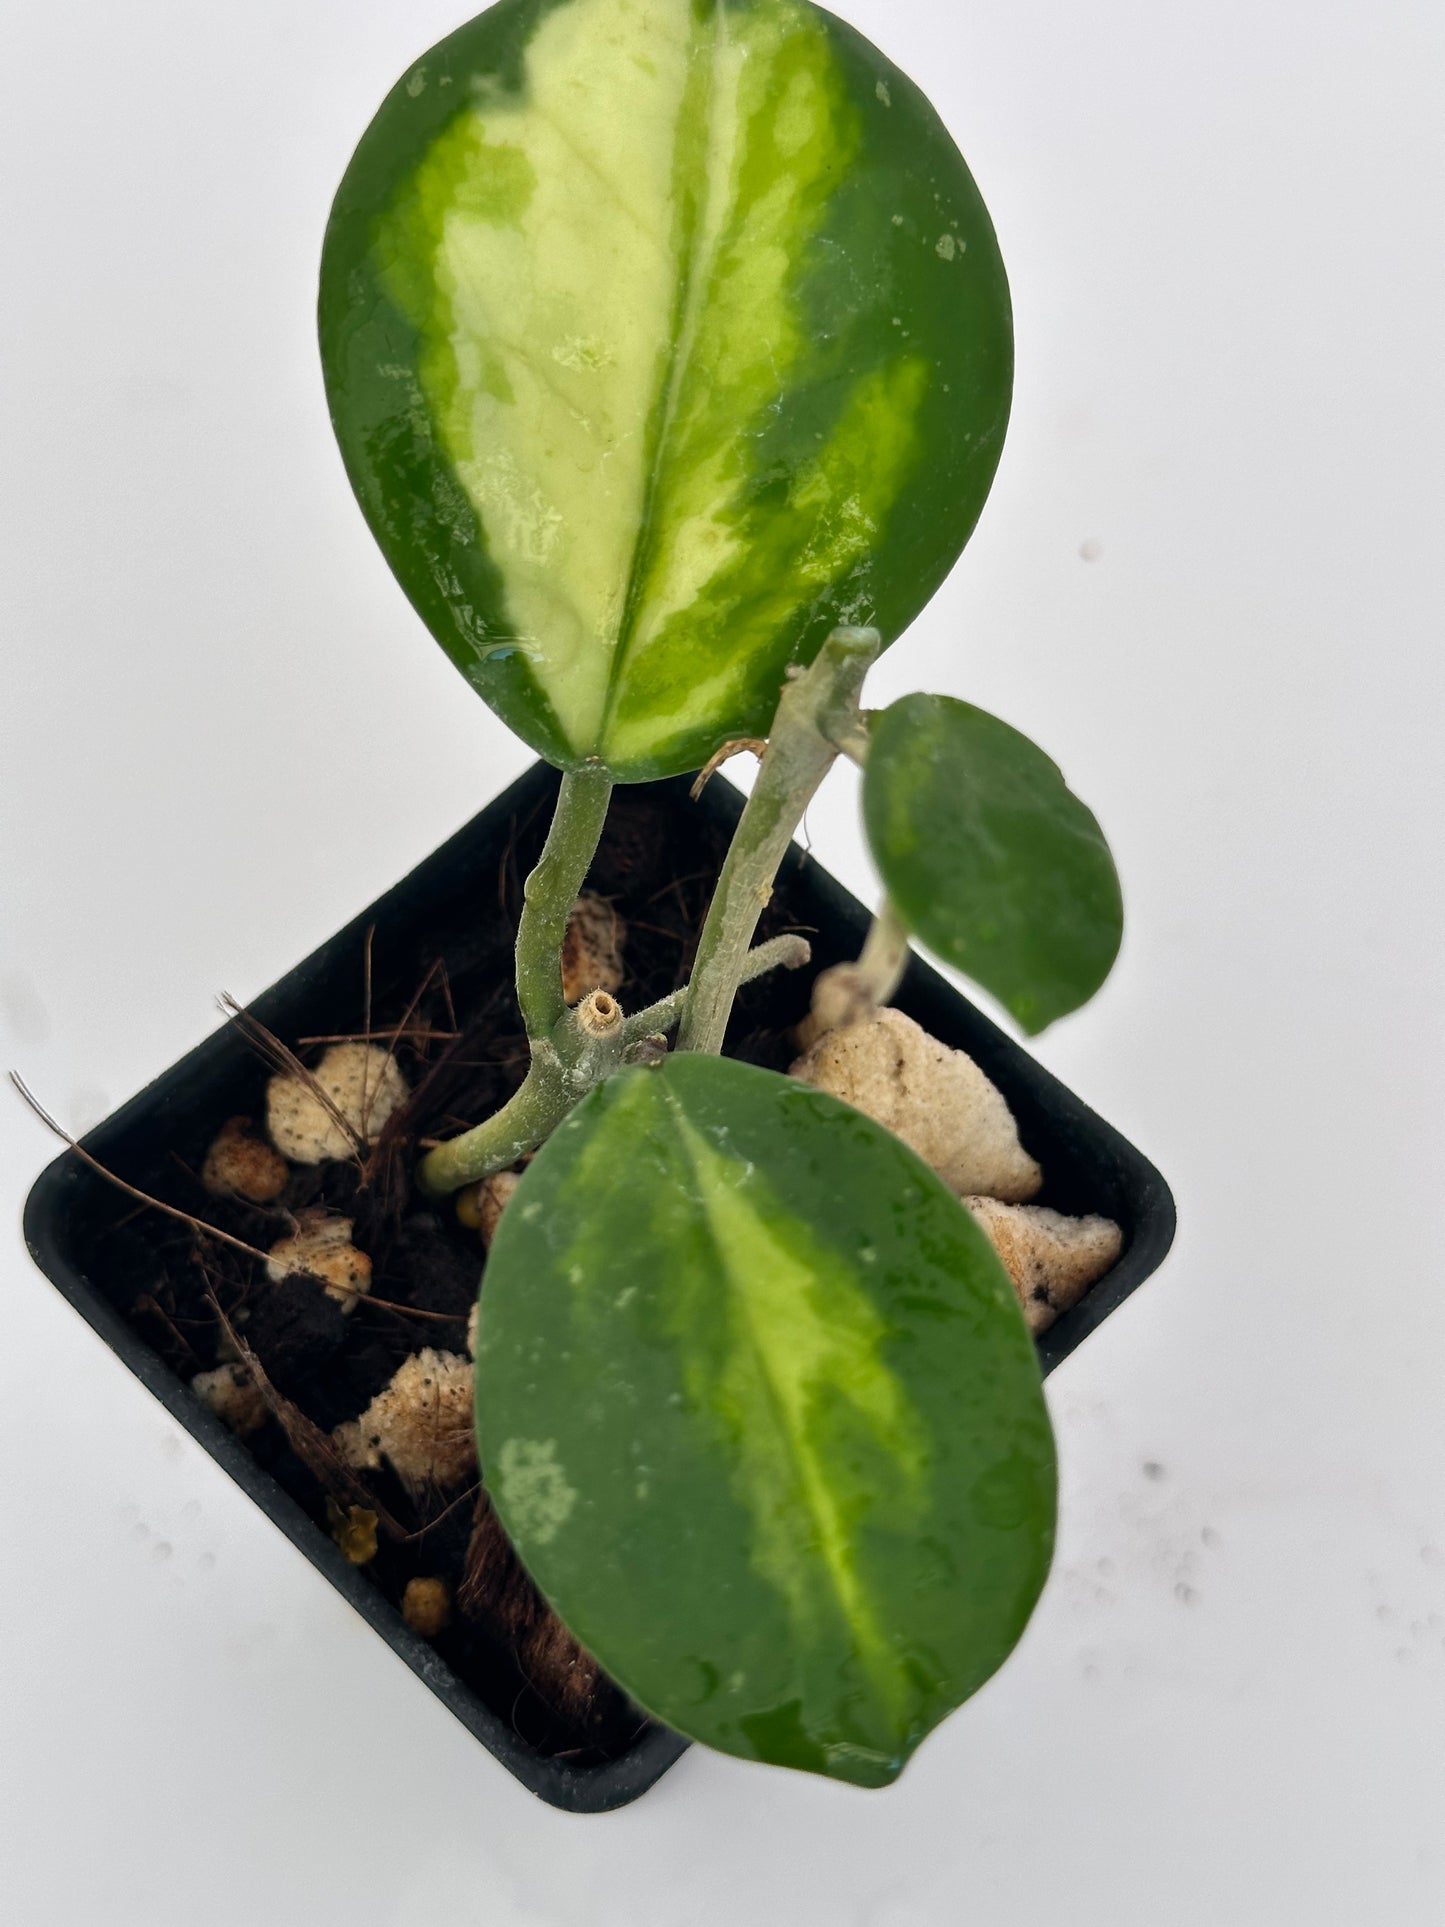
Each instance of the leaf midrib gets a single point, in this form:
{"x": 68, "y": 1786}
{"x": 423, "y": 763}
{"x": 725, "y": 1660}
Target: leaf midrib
{"x": 694, "y": 272}
{"x": 848, "y": 1593}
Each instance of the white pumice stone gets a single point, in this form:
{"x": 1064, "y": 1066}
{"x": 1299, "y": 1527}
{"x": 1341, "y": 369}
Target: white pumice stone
{"x": 592, "y": 948}
{"x": 364, "y": 1083}
{"x": 420, "y": 1424}
{"x": 1052, "y": 1259}
{"x": 493, "y": 1196}
{"x": 322, "y": 1245}
{"x": 234, "y": 1396}
{"x": 240, "y": 1163}
{"x": 480, "y": 1206}
{"x": 936, "y": 1099}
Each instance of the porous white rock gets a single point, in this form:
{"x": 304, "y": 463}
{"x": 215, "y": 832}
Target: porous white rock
{"x": 364, "y": 1085}
{"x": 1052, "y": 1259}
{"x": 592, "y": 948}
{"x": 240, "y": 1163}
{"x": 420, "y": 1423}
{"x": 936, "y": 1099}
{"x": 234, "y": 1396}
{"x": 480, "y": 1206}
{"x": 322, "y": 1246}
{"x": 493, "y": 1196}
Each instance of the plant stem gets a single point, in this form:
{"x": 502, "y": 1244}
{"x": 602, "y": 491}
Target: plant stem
{"x": 778, "y": 953}
{"x": 521, "y": 1124}
{"x": 884, "y": 956}
{"x": 850, "y": 992}
{"x": 564, "y": 1068}
{"x": 549, "y": 894}
{"x": 852, "y": 741}
{"x": 817, "y": 709}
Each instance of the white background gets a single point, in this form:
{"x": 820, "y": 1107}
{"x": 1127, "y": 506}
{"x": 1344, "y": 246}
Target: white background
{"x": 1224, "y": 234}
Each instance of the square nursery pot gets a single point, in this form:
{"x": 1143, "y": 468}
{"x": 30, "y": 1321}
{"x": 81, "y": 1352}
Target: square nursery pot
{"x": 657, "y": 862}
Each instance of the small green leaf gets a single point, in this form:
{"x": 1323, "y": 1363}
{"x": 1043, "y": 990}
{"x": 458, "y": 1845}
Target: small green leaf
{"x": 757, "y": 1406}
{"x": 661, "y": 336}
{"x": 989, "y": 857}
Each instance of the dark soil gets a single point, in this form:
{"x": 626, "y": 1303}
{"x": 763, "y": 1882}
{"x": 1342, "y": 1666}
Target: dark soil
{"x": 454, "y": 1026}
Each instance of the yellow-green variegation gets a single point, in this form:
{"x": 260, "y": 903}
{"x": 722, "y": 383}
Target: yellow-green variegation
{"x": 758, "y": 1407}
{"x": 660, "y": 337}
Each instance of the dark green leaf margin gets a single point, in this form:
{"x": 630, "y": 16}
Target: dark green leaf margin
{"x": 760, "y": 1412}
{"x": 988, "y": 856}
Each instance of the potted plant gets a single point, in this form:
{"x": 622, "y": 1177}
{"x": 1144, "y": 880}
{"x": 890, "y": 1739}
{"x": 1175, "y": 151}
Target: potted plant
{"x": 669, "y": 352}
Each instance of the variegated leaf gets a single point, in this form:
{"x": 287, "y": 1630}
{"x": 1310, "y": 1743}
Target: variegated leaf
{"x": 758, "y": 1407}
{"x": 661, "y": 336}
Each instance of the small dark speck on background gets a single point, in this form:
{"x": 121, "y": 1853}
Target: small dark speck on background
{"x": 1091, "y": 550}
{"x": 1152, "y": 1469}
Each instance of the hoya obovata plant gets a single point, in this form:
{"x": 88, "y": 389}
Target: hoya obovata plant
{"x": 669, "y": 350}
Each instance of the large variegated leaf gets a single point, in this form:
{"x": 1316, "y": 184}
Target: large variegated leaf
{"x": 989, "y": 857}
{"x": 660, "y": 337}
{"x": 758, "y": 1407}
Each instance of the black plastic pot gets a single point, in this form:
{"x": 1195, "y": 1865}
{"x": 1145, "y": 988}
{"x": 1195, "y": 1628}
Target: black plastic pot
{"x": 1089, "y": 1167}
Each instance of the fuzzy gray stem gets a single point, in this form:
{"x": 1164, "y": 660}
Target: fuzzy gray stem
{"x": 817, "y": 709}
{"x": 778, "y": 953}
{"x": 884, "y": 956}
{"x": 587, "y": 1045}
{"x": 550, "y": 892}
{"x": 527, "y": 1117}
{"x": 852, "y": 741}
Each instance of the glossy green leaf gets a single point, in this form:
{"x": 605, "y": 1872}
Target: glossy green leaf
{"x": 990, "y": 859}
{"x": 661, "y": 336}
{"x": 758, "y": 1408}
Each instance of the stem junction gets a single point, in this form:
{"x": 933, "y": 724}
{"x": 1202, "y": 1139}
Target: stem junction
{"x": 818, "y": 709}
{"x": 573, "y": 1050}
